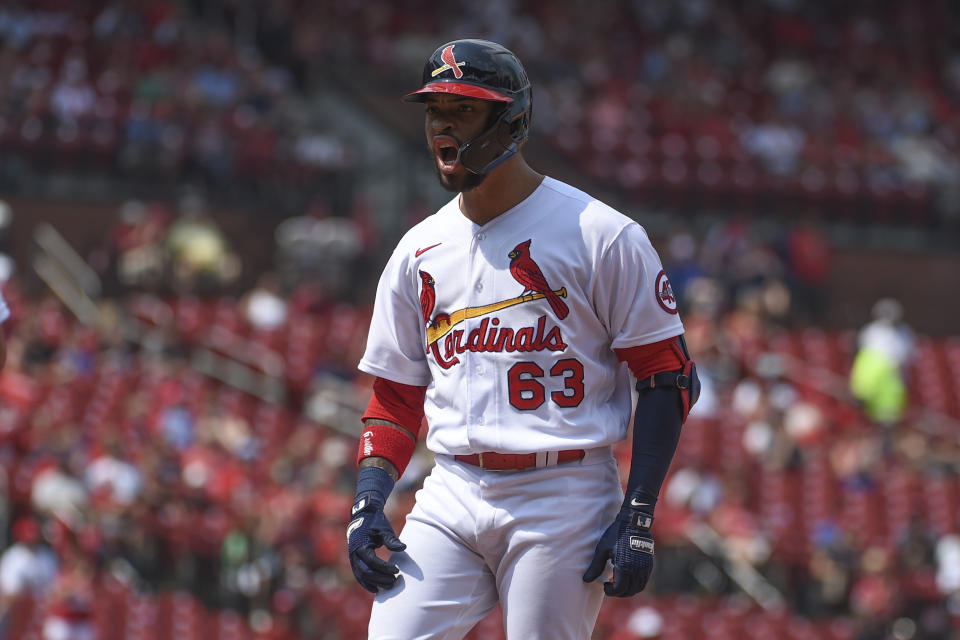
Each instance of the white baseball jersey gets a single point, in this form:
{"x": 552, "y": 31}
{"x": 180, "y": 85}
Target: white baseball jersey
{"x": 4, "y": 309}
{"x": 512, "y": 325}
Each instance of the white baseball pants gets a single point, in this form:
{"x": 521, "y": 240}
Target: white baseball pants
{"x": 523, "y": 538}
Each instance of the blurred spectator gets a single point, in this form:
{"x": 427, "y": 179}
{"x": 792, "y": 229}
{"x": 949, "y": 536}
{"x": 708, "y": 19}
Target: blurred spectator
{"x": 739, "y": 527}
{"x": 322, "y": 150}
{"x": 948, "y": 567}
{"x": 71, "y": 602}
{"x": 73, "y": 98}
{"x": 808, "y": 268}
{"x": 874, "y": 597}
{"x": 321, "y": 248}
{"x": 681, "y": 263}
{"x": 699, "y": 492}
{"x": 4, "y": 315}
{"x": 7, "y": 266}
{"x": 856, "y": 459}
{"x": 878, "y": 376}
{"x": 263, "y": 305}
{"x": 748, "y": 268}
{"x": 776, "y": 144}
{"x": 830, "y": 574}
{"x": 136, "y": 245}
{"x": 201, "y": 261}
{"x": 644, "y": 622}
{"x": 113, "y": 480}
{"x": 177, "y": 426}
{"x": 767, "y": 402}
{"x": 57, "y": 493}
{"x": 27, "y": 568}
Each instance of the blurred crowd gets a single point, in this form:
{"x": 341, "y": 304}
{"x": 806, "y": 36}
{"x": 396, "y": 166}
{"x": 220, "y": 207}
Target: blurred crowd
{"x": 197, "y": 436}
{"x": 160, "y": 91}
{"x": 183, "y": 247}
{"x": 121, "y": 458}
{"x": 847, "y": 108}
{"x": 126, "y": 462}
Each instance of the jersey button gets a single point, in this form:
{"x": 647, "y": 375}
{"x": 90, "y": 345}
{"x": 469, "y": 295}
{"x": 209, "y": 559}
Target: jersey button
{"x": 479, "y": 371}
{"x": 481, "y": 236}
{"x": 479, "y": 286}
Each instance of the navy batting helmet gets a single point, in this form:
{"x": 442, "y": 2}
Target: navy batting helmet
{"x": 487, "y": 71}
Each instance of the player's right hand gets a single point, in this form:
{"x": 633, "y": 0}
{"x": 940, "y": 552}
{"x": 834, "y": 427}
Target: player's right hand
{"x": 368, "y": 530}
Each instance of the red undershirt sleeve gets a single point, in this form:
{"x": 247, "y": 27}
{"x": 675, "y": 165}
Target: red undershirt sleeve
{"x": 656, "y": 357}
{"x": 398, "y": 403}
{"x": 401, "y": 404}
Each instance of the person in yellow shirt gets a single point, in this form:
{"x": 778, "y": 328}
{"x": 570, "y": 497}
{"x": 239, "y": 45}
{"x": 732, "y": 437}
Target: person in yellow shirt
{"x": 884, "y": 351}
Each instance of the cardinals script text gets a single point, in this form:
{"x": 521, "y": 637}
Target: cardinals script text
{"x": 491, "y": 337}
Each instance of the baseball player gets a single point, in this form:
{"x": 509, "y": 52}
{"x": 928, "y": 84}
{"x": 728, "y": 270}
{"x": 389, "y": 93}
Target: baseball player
{"x": 512, "y": 319}
{"x": 4, "y": 314}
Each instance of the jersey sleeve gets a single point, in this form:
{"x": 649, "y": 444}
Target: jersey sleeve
{"x": 395, "y": 345}
{"x": 632, "y": 294}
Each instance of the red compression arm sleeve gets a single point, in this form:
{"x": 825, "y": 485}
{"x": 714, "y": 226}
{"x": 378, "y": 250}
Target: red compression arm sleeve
{"x": 398, "y": 403}
{"x": 648, "y": 359}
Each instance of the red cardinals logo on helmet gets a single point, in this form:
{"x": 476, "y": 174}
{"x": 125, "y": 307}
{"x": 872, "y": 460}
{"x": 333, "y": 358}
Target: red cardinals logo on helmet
{"x": 664, "y": 293}
{"x": 449, "y": 62}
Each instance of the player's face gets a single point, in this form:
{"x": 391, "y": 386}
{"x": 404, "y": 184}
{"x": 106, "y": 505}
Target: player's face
{"x": 452, "y": 120}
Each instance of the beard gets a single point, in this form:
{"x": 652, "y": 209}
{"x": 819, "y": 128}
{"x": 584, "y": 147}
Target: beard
{"x": 458, "y": 183}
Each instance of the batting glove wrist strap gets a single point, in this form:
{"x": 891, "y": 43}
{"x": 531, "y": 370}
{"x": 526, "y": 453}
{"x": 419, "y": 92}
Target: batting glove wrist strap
{"x": 374, "y": 480}
{"x": 637, "y": 507}
{"x": 639, "y": 519}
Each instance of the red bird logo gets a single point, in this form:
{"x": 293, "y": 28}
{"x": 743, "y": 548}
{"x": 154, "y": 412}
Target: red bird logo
{"x": 447, "y": 56}
{"x": 527, "y": 273}
{"x": 428, "y": 296}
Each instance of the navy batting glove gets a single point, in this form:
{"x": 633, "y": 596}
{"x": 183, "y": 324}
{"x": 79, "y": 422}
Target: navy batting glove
{"x": 628, "y": 544}
{"x": 368, "y": 530}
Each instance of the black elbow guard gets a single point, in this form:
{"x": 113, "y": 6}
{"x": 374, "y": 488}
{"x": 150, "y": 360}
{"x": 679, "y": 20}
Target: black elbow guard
{"x": 686, "y": 380}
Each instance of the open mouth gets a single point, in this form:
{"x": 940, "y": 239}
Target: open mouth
{"x": 447, "y": 151}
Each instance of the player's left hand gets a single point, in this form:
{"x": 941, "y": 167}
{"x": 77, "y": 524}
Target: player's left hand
{"x": 628, "y": 544}
{"x": 369, "y": 530}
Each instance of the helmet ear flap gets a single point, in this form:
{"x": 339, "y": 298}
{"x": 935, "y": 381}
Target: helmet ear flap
{"x": 520, "y": 126}
{"x": 507, "y": 130}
